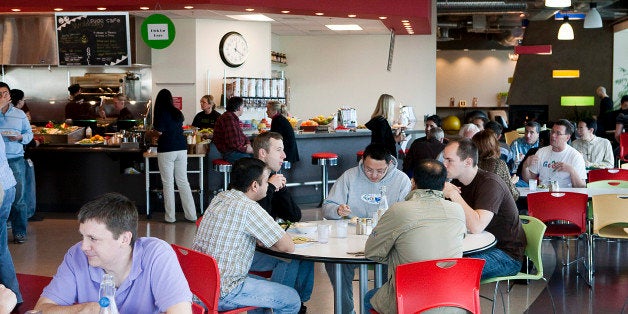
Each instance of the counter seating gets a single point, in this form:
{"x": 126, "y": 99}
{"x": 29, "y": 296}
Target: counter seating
{"x": 359, "y": 155}
{"x": 324, "y": 159}
{"x": 223, "y": 166}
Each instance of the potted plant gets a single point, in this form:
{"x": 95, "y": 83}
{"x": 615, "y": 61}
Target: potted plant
{"x": 501, "y": 98}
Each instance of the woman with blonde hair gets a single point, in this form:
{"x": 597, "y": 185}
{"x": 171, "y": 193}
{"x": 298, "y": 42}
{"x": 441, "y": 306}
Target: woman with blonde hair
{"x": 381, "y": 120}
{"x": 280, "y": 124}
{"x": 206, "y": 119}
{"x": 488, "y": 159}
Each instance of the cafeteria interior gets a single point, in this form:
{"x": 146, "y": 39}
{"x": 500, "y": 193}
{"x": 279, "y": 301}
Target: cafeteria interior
{"x": 49, "y": 239}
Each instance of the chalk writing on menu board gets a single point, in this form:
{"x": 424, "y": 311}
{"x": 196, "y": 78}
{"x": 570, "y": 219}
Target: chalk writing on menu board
{"x": 93, "y": 38}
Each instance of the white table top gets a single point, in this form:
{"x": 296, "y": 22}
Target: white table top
{"x": 589, "y": 191}
{"x": 336, "y": 249}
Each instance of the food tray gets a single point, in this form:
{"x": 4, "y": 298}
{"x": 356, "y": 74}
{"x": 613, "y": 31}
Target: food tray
{"x": 69, "y": 138}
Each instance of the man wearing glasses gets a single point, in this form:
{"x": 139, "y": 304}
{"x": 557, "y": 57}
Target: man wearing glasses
{"x": 557, "y": 162}
{"x": 357, "y": 194}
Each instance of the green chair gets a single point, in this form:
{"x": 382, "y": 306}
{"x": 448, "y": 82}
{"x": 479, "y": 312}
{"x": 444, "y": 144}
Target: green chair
{"x": 608, "y": 184}
{"x": 534, "y": 230}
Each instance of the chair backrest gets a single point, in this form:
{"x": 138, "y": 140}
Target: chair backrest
{"x": 201, "y": 272}
{"x": 534, "y": 230}
{"x": 437, "y": 283}
{"x": 554, "y": 206}
{"x": 607, "y": 174}
{"x": 509, "y": 137}
{"x": 608, "y": 184}
{"x": 623, "y": 146}
{"x": 610, "y": 215}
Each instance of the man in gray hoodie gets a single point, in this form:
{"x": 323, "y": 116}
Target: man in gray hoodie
{"x": 357, "y": 194}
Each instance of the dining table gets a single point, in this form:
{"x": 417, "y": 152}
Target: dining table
{"x": 350, "y": 250}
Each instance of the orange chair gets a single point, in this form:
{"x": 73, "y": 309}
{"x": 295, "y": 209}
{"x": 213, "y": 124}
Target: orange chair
{"x": 436, "y": 283}
{"x": 201, "y": 272}
{"x": 608, "y": 174}
{"x": 554, "y": 208}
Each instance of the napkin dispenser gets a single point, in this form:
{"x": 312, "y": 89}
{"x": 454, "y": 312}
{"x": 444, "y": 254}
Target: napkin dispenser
{"x": 348, "y": 117}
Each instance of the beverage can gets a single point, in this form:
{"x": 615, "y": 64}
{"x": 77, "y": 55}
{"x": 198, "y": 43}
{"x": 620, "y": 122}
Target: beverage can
{"x": 553, "y": 186}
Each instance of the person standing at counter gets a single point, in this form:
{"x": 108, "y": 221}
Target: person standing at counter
{"x": 277, "y": 112}
{"x": 16, "y": 132}
{"x": 119, "y": 103}
{"x": 228, "y": 135}
{"x": 380, "y": 122}
{"x": 78, "y": 108}
{"x": 206, "y": 119}
{"x": 172, "y": 156}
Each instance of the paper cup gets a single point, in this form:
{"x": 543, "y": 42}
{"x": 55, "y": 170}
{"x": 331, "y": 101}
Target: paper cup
{"x": 532, "y": 183}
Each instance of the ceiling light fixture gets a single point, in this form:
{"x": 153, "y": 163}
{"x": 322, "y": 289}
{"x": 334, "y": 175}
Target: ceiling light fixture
{"x": 565, "y": 73}
{"x": 101, "y": 9}
{"x": 534, "y": 50}
{"x": 319, "y": 13}
{"x": 188, "y": 7}
{"x": 383, "y": 17}
{"x": 249, "y": 10}
{"x": 351, "y": 15}
{"x": 285, "y": 11}
{"x": 593, "y": 18}
{"x": 144, "y": 8}
{"x": 251, "y": 17}
{"x": 557, "y": 3}
{"x": 16, "y": 10}
{"x": 566, "y": 31}
{"x": 344, "y": 27}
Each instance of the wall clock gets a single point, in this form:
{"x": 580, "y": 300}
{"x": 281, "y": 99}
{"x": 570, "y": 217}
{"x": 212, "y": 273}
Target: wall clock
{"x": 233, "y": 49}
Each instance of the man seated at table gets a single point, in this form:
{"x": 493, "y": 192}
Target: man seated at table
{"x": 357, "y": 194}
{"x": 424, "y": 227}
{"x": 520, "y": 147}
{"x": 268, "y": 147}
{"x": 596, "y": 151}
{"x": 488, "y": 205}
{"x": 147, "y": 274}
{"x": 233, "y": 224}
{"x": 228, "y": 135}
{"x": 425, "y": 149}
{"x": 558, "y": 161}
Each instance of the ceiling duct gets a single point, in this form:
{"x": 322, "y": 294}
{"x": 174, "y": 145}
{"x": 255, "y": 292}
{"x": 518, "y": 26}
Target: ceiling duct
{"x": 479, "y": 7}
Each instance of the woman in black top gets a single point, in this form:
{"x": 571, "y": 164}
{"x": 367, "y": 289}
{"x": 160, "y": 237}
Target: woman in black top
{"x": 379, "y": 124}
{"x": 206, "y": 119}
{"x": 277, "y": 112}
{"x": 172, "y": 156}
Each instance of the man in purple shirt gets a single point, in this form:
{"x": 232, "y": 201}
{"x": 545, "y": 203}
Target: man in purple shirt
{"x": 228, "y": 135}
{"x": 146, "y": 271}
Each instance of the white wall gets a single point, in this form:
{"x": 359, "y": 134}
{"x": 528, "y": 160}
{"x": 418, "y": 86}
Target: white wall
{"x": 475, "y": 73}
{"x": 327, "y": 72}
{"x": 620, "y": 63}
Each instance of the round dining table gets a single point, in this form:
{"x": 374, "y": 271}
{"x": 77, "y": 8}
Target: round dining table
{"x": 350, "y": 250}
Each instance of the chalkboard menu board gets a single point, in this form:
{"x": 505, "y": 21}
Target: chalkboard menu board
{"x": 85, "y": 39}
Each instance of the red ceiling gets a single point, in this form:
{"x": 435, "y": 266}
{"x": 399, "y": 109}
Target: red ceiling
{"x": 418, "y": 12}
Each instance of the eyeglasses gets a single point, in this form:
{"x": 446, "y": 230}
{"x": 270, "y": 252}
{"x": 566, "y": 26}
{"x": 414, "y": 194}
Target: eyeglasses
{"x": 557, "y": 133}
{"x": 6, "y": 92}
{"x": 378, "y": 172}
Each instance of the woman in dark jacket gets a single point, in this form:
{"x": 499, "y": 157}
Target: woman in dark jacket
{"x": 172, "y": 156}
{"x": 277, "y": 112}
{"x": 381, "y": 132}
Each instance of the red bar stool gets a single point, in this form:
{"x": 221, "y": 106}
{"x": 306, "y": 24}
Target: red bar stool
{"x": 359, "y": 155}
{"x": 221, "y": 165}
{"x": 324, "y": 159}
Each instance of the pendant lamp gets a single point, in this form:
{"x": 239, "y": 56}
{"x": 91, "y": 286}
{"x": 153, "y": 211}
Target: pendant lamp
{"x": 593, "y": 18}
{"x": 566, "y": 31}
{"x": 557, "y": 3}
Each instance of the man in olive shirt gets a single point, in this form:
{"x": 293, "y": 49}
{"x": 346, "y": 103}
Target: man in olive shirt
{"x": 424, "y": 227}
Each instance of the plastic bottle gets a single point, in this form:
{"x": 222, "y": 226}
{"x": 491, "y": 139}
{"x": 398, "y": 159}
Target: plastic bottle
{"x": 88, "y": 132}
{"x": 383, "y": 202}
{"x": 107, "y": 295}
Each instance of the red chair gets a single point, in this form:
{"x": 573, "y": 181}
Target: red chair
{"x": 201, "y": 272}
{"x": 564, "y": 213}
{"x": 436, "y": 283}
{"x": 608, "y": 174}
{"x": 623, "y": 148}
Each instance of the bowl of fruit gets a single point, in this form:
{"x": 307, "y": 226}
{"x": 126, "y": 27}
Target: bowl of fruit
{"x": 309, "y": 126}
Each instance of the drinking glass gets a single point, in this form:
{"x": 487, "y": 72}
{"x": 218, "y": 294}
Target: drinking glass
{"x": 341, "y": 228}
{"x": 323, "y": 233}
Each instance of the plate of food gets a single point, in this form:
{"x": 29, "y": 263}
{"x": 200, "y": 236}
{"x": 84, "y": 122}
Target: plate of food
{"x": 87, "y": 142}
{"x": 300, "y": 241}
{"x": 304, "y": 227}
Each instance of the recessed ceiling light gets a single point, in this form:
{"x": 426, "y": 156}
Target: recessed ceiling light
{"x": 351, "y": 15}
{"x": 319, "y": 13}
{"x": 249, "y": 10}
{"x": 344, "y": 27}
{"x": 101, "y": 9}
{"x": 405, "y": 21}
{"x": 251, "y": 17}
{"x": 58, "y": 9}
{"x": 144, "y": 8}
{"x": 16, "y": 10}
{"x": 383, "y": 17}
{"x": 189, "y": 7}
{"x": 285, "y": 11}
{"x": 410, "y": 32}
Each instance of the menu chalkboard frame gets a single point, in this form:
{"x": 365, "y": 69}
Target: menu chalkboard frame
{"x": 98, "y": 21}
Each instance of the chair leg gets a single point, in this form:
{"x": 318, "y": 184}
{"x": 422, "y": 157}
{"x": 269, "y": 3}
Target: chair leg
{"x": 550, "y": 294}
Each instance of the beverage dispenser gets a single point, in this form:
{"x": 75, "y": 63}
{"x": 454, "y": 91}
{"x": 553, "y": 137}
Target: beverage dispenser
{"x": 348, "y": 117}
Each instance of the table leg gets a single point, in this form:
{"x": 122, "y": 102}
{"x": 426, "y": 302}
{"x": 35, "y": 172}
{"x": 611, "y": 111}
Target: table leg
{"x": 378, "y": 275}
{"x": 338, "y": 289}
{"x": 364, "y": 284}
{"x": 201, "y": 183}
{"x": 147, "y": 179}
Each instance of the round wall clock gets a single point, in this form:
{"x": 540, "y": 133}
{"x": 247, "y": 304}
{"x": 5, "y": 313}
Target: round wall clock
{"x": 233, "y": 49}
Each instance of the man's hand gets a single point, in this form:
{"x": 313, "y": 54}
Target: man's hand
{"x": 450, "y": 190}
{"x": 15, "y": 138}
{"x": 7, "y": 300}
{"x": 249, "y": 149}
{"x": 344, "y": 210}
{"x": 278, "y": 180}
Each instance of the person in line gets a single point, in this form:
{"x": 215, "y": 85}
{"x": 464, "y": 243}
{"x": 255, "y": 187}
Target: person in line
{"x": 228, "y": 135}
{"x": 357, "y": 193}
{"x": 557, "y": 162}
{"x": 278, "y": 203}
{"x": 621, "y": 117}
{"x": 520, "y": 147}
{"x": 605, "y": 121}
{"x": 280, "y": 124}
{"x": 468, "y": 130}
{"x": 8, "y": 300}
{"x": 381, "y": 120}
{"x": 206, "y": 119}
{"x": 172, "y": 156}
{"x": 7, "y": 195}
{"x": 488, "y": 159}
{"x": 424, "y": 149}
{"x": 233, "y": 224}
{"x": 488, "y": 205}
{"x": 597, "y": 151}
{"x": 16, "y": 132}
{"x": 147, "y": 274}
{"x": 424, "y": 227}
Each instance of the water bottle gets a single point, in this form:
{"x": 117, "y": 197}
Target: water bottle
{"x": 88, "y": 132}
{"x": 383, "y": 202}
{"x": 107, "y": 295}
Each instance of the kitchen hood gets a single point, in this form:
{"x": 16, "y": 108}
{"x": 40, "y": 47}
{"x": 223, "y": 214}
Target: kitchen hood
{"x": 28, "y": 40}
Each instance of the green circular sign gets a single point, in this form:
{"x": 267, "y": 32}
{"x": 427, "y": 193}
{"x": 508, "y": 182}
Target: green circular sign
{"x": 158, "y": 31}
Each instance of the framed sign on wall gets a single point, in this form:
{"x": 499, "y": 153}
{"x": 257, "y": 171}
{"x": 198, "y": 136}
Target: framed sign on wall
{"x": 93, "y": 38}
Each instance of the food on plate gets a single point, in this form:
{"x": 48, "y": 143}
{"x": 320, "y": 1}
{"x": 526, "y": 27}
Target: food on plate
{"x": 301, "y": 240}
{"x": 285, "y": 225}
{"x": 541, "y": 186}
